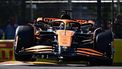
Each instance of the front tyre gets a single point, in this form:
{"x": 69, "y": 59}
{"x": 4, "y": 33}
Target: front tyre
{"x": 104, "y": 45}
{"x": 24, "y": 38}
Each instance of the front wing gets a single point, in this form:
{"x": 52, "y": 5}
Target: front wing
{"x": 85, "y": 54}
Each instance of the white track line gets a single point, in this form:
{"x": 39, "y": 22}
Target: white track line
{"x": 14, "y": 63}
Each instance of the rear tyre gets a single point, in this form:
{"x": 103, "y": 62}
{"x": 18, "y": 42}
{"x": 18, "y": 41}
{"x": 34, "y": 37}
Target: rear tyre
{"x": 24, "y": 38}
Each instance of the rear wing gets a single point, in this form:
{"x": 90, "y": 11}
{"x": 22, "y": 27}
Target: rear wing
{"x": 46, "y": 19}
{"x": 81, "y": 21}
{"x": 85, "y": 21}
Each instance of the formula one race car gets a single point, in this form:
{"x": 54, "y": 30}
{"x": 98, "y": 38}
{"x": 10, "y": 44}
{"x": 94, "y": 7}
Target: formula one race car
{"x": 63, "y": 40}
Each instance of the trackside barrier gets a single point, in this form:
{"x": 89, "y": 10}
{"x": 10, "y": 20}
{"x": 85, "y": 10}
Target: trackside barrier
{"x": 6, "y": 50}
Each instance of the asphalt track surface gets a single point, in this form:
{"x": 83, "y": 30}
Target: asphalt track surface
{"x": 43, "y": 65}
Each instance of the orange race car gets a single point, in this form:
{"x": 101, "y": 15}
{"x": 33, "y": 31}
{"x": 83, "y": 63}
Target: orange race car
{"x": 63, "y": 40}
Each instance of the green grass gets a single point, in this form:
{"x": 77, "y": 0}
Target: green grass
{"x": 118, "y": 51}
